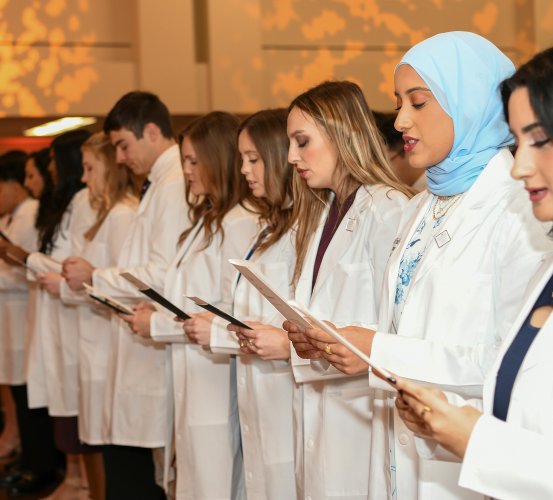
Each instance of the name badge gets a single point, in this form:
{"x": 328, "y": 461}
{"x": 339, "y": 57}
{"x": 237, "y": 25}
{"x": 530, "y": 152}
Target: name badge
{"x": 350, "y": 225}
{"x": 442, "y": 239}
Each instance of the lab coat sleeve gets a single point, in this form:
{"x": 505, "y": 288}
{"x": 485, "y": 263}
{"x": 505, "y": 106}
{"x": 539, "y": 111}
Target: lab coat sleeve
{"x": 22, "y": 231}
{"x": 222, "y": 341}
{"x": 41, "y": 263}
{"x": 240, "y": 235}
{"x": 506, "y": 461}
{"x": 166, "y": 218}
{"x": 71, "y": 297}
{"x": 164, "y": 329}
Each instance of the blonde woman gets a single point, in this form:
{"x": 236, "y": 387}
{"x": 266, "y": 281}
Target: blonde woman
{"x": 348, "y": 204}
{"x": 112, "y": 194}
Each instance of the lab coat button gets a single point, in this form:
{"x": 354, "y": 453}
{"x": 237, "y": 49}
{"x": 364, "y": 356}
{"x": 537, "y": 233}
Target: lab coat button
{"x": 250, "y": 476}
{"x": 178, "y": 437}
{"x": 307, "y": 498}
{"x": 403, "y": 438}
{"x": 310, "y": 444}
{"x": 242, "y": 380}
{"x": 246, "y": 428}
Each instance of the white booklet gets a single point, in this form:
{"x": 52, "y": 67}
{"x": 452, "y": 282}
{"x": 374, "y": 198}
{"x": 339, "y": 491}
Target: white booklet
{"x": 256, "y": 278}
{"x": 299, "y": 314}
{"x": 107, "y": 301}
{"x": 215, "y": 310}
{"x": 155, "y": 296}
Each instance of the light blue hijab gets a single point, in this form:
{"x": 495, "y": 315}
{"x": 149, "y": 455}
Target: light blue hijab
{"x": 463, "y": 72}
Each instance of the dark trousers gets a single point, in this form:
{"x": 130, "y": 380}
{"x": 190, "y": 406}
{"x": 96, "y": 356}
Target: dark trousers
{"x": 38, "y": 451}
{"x": 130, "y": 474}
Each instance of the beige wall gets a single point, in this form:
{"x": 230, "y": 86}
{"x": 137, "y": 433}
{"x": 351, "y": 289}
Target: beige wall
{"x": 79, "y": 56}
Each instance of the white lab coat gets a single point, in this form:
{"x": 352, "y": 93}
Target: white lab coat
{"x": 333, "y": 412}
{"x": 94, "y": 324}
{"x": 15, "y": 316}
{"x": 56, "y": 324}
{"x": 461, "y": 303}
{"x": 512, "y": 460}
{"x": 264, "y": 388}
{"x": 136, "y": 393}
{"x": 201, "y": 379}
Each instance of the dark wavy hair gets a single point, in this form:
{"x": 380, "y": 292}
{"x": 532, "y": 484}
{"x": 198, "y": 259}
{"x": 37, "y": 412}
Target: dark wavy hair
{"x": 537, "y": 76}
{"x": 42, "y": 159}
{"x": 12, "y": 166}
{"x": 66, "y": 153}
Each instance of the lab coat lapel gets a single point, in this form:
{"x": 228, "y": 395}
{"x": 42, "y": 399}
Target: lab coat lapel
{"x": 534, "y": 289}
{"x": 342, "y": 239}
{"x": 467, "y": 216}
{"x": 392, "y": 269}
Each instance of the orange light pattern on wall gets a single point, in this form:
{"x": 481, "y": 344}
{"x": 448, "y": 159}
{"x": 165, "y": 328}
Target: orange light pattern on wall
{"x": 363, "y": 40}
{"x": 40, "y": 66}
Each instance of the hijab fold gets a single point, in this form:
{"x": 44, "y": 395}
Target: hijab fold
{"x": 463, "y": 71}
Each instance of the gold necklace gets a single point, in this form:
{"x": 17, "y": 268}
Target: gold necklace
{"x": 440, "y": 210}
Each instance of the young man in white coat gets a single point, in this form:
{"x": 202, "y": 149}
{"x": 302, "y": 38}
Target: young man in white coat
{"x": 140, "y": 129}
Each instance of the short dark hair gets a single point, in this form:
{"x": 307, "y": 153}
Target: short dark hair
{"x": 135, "y": 110}
{"x": 12, "y": 166}
{"x": 537, "y": 76}
{"x": 385, "y": 123}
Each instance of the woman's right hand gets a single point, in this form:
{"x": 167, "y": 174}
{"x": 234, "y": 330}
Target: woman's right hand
{"x": 265, "y": 341}
{"x": 303, "y": 348}
{"x": 426, "y": 412}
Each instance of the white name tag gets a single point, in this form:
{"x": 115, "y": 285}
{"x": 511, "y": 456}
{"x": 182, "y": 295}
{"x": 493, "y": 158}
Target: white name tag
{"x": 350, "y": 225}
{"x": 442, "y": 239}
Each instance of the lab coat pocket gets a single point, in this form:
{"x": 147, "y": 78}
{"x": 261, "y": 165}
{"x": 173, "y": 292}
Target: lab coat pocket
{"x": 276, "y": 422}
{"x": 470, "y": 309}
{"x": 353, "y": 294}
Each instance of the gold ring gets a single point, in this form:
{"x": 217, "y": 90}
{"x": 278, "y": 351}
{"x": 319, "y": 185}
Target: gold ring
{"x": 328, "y": 350}
{"x": 242, "y": 344}
{"x": 250, "y": 343}
{"x": 425, "y": 409}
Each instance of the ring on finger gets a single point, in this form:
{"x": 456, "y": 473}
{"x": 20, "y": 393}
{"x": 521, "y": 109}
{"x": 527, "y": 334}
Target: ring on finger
{"x": 328, "y": 349}
{"x": 425, "y": 409}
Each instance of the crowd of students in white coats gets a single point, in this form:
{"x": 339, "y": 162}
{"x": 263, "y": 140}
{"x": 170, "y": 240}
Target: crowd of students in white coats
{"x": 449, "y": 289}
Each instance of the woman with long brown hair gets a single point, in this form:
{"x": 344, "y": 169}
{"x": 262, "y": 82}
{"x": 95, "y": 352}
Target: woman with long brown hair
{"x": 262, "y": 409}
{"x": 223, "y": 225}
{"x": 348, "y": 204}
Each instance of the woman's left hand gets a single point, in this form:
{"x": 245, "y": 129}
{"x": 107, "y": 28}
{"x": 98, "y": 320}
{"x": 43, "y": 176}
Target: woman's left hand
{"x": 426, "y": 412}
{"x": 198, "y": 328}
{"x": 139, "y": 322}
{"x": 50, "y": 282}
{"x": 335, "y": 353}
